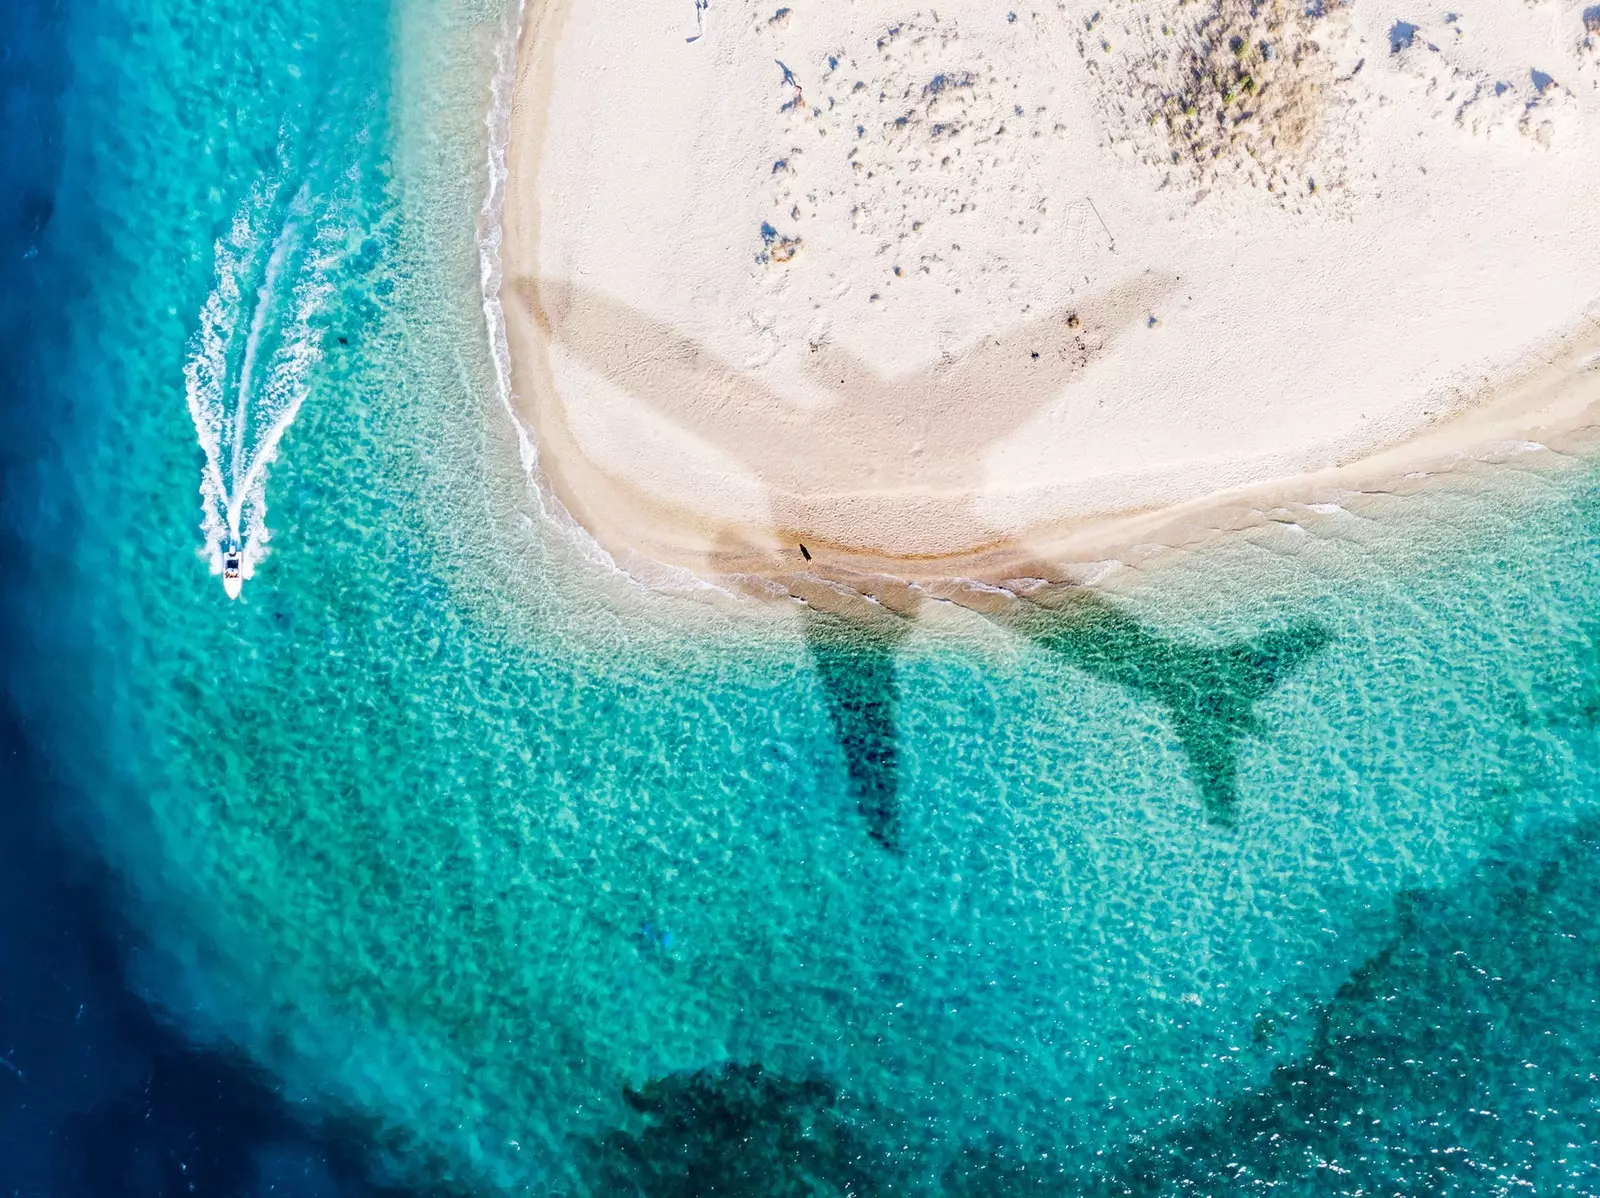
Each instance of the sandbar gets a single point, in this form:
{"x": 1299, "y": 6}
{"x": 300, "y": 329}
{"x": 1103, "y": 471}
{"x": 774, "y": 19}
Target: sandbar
{"x": 940, "y": 291}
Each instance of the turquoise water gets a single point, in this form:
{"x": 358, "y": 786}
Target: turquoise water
{"x": 1273, "y": 867}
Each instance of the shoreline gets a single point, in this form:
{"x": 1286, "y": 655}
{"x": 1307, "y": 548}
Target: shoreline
{"x": 1552, "y": 397}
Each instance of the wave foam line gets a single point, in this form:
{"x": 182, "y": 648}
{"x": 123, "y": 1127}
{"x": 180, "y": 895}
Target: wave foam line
{"x": 502, "y": 94}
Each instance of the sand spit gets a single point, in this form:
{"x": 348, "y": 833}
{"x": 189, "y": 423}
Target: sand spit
{"x": 970, "y": 293}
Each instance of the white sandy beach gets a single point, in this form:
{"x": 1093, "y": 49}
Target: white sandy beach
{"x": 925, "y": 288}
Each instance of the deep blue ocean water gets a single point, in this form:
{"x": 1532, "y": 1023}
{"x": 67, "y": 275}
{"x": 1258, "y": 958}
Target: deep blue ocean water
{"x": 445, "y": 861}
{"x": 103, "y": 1095}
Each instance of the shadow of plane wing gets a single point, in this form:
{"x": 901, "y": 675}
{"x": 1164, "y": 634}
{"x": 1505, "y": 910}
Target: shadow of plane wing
{"x": 928, "y": 427}
{"x": 855, "y": 665}
{"x": 655, "y": 363}
{"x": 993, "y": 386}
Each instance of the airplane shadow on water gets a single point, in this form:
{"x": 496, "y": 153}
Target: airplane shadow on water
{"x": 1208, "y": 692}
{"x": 855, "y": 665}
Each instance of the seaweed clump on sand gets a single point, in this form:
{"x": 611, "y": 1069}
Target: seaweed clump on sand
{"x": 1249, "y": 83}
{"x": 1238, "y": 89}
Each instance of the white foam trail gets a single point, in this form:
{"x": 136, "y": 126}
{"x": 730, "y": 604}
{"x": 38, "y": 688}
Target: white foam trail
{"x": 285, "y": 391}
{"x": 281, "y": 345}
{"x": 206, "y": 376}
{"x": 281, "y": 247}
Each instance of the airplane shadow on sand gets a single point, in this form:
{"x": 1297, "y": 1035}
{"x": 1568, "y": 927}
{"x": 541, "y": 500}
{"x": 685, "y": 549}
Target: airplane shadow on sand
{"x": 875, "y": 438}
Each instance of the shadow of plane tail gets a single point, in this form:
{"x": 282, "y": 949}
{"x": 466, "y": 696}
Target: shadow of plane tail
{"x": 1209, "y": 692}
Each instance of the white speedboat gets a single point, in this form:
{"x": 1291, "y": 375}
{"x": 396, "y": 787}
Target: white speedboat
{"x": 233, "y": 571}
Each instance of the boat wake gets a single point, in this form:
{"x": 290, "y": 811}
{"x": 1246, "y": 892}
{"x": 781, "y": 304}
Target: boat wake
{"x": 249, "y": 364}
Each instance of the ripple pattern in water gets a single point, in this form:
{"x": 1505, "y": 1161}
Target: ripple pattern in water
{"x": 1273, "y": 868}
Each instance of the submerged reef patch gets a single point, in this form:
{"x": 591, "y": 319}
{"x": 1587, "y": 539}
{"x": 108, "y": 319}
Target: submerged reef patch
{"x": 1509, "y": 952}
{"x": 1509, "y": 949}
{"x": 735, "y": 1131}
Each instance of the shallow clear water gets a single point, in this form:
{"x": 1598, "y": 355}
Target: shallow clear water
{"x": 1273, "y": 868}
